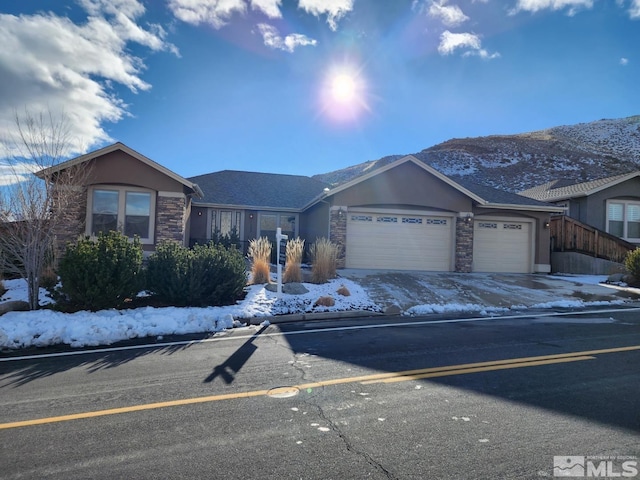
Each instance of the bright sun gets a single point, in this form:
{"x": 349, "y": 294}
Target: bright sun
{"x": 343, "y": 88}
{"x": 344, "y": 94}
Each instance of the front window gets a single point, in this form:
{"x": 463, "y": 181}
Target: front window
{"x": 137, "y": 214}
{"x": 105, "y": 211}
{"x": 225, "y": 222}
{"x": 122, "y": 209}
{"x": 269, "y": 222}
{"x": 623, "y": 219}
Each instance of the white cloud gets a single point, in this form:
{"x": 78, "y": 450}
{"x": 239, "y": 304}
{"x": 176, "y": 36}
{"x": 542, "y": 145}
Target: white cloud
{"x": 13, "y": 173}
{"x": 271, "y": 8}
{"x": 470, "y": 42}
{"x": 624, "y": 61}
{"x": 49, "y": 63}
{"x": 449, "y": 42}
{"x": 450, "y": 15}
{"x": 634, "y": 10}
{"x": 334, "y": 9}
{"x": 537, "y": 5}
{"x": 214, "y": 12}
{"x": 289, "y": 43}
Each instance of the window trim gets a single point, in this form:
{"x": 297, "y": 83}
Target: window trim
{"x": 625, "y": 229}
{"x": 122, "y": 195}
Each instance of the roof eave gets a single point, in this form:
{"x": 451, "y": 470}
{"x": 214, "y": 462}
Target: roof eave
{"x": 196, "y": 203}
{"x": 531, "y": 208}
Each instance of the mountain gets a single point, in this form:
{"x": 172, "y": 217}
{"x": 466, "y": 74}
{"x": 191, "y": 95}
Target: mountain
{"x": 574, "y": 153}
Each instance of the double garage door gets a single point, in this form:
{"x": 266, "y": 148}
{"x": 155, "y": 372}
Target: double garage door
{"x": 426, "y": 242}
{"x": 399, "y": 241}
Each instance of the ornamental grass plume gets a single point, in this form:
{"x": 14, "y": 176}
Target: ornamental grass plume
{"x": 324, "y": 255}
{"x": 260, "y": 254}
{"x": 292, "y": 269}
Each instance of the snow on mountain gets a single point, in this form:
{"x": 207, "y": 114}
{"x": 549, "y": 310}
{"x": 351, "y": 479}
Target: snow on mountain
{"x": 577, "y": 153}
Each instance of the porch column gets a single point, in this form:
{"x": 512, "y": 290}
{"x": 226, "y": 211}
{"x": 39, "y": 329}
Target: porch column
{"x": 171, "y": 217}
{"x": 464, "y": 242}
{"x": 338, "y": 232}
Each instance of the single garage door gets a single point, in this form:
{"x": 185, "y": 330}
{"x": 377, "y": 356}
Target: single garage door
{"x": 502, "y": 246}
{"x": 399, "y": 241}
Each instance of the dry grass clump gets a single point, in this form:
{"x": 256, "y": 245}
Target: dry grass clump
{"x": 324, "y": 255}
{"x": 344, "y": 291}
{"x": 260, "y": 254}
{"x": 292, "y": 269}
{"x": 326, "y": 301}
{"x": 48, "y": 277}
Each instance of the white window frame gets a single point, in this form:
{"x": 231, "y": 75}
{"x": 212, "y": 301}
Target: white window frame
{"x": 122, "y": 195}
{"x": 625, "y": 231}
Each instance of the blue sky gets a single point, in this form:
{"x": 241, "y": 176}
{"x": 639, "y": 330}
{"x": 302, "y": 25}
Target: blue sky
{"x": 310, "y": 86}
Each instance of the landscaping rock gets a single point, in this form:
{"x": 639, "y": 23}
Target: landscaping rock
{"x": 392, "y": 310}
{"x": 616, "y": 278}
{"x": 13, "y": 306}
{"x": 292, "y": 288}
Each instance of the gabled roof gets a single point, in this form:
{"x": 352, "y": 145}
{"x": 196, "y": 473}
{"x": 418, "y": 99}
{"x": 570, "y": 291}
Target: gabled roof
{"x": 257, "y": 190}
{"x": 556, "y": 190}
{"x": 484, "y": 196}
{"x": 122, "y": 147}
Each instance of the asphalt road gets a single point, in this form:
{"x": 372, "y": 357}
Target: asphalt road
{"x": 337, "y": 399}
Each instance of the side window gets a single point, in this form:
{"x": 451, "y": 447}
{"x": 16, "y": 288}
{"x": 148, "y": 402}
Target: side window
{"x": 615, "y": 219}
{"x": 104, "y": 214}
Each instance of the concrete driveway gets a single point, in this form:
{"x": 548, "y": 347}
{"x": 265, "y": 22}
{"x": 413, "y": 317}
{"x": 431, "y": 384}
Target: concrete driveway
{"x": 408, "y": 289}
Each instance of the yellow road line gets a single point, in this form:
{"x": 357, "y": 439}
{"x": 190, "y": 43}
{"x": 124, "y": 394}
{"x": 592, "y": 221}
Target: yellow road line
{"x": 364, "y": 379}
{"x": 449, "y": 372}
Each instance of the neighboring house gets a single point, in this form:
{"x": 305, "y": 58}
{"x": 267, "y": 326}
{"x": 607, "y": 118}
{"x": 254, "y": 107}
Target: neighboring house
{"x": 609, "y": 204}
{"x": 403, "y": 216}
{"x": 128, "y": 192}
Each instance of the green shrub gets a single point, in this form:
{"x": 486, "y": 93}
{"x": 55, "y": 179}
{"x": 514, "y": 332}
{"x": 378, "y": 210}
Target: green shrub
{"x": 260, "y": 255}
{"x": 632, "y": 263}
{"x": 232, "y": 239}
{"x": 206, "y": 275}
{"x": 324, "y": 256}
{"x": 99, "y": 273}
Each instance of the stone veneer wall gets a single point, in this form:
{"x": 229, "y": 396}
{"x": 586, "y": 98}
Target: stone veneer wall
{"x": 170, "y": 218}
{"x": 464, "y": 244}
{"x": 338, "y": 233}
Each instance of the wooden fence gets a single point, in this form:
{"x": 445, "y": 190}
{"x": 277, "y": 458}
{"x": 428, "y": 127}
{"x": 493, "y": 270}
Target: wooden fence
{"x": 569, "y": 235}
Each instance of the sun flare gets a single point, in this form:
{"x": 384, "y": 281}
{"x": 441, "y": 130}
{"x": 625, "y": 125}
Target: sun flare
{"x": 343, "y": 87}
{"x": 344, "y": 94}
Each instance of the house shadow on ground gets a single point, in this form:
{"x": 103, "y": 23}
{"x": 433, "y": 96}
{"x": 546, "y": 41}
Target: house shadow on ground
{"x": 588, "y": 389}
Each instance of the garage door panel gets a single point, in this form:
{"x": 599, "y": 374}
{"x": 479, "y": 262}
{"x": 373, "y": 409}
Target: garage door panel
{"x": 502, "y": 246}
{"x": 403, "y": 242}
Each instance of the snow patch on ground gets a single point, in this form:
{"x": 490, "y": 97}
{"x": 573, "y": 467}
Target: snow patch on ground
{"x": 47, "y": 327}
